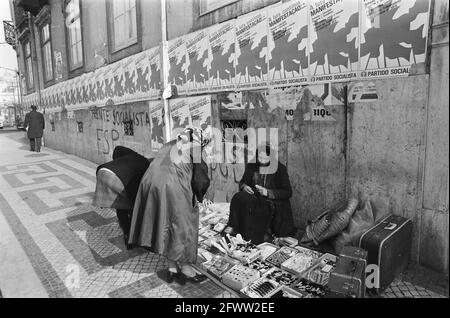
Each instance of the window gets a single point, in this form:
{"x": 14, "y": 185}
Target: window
{"x": 124, "y": 23}
{"x": 47, "y": 52}
{"x": 28, "y": 65}
{"x": 211, "y": 5}
{"x": 74, "y": 39}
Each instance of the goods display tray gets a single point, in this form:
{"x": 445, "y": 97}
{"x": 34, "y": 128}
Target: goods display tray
{"x": 281, "y": 255}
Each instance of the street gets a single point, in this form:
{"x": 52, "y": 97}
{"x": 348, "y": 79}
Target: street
{"x": 55, "y": 244}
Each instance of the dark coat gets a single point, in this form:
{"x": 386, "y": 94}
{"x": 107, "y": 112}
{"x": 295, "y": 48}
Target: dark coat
{"x": 129, "y": 167}
{"x": 279, "y": 193}
{"x": 36, "y": 124}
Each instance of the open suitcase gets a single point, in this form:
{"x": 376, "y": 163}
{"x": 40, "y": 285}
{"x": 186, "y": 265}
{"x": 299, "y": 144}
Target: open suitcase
{"x": 388, "y": 244}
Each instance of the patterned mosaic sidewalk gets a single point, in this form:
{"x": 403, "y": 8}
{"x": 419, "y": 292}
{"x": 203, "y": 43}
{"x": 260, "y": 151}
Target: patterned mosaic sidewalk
{"x": 45, "y": 201}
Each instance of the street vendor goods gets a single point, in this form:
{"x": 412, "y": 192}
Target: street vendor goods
{"x": 217, "y": 266}
{"x": 246, "y": 253}
{"x": 282, "y": 255}
{"x": 267, "y": 249}
{"x": 330, "y": 223}
{"x": 260, "y": 265}
{"x": 240, "y": 276}
{"x": 307, "y": 252}
{"x": 280, "y": 276}
{"x": 286, "y": 292}
{"x": 298, "y": 264}
{"x": 307, "y": 287}
{"x": 262, "y": 288}
{"x": 320, "y": 272}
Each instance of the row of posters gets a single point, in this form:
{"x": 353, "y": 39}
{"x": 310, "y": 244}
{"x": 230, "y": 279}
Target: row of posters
{"x": 296, "y": 42}
{"x": 190, "y": 111}
{"x": 134, "y": 78}
{"x": 303, "y": 41}
{"x": 184, "y": 112}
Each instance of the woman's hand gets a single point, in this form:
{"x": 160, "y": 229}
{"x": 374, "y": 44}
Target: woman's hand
{"x": 262, "y": 191}
{"x": 247, "y": 189}
{"x": 206, "y": 202}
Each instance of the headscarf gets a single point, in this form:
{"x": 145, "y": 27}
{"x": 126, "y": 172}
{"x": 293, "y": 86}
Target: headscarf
{"x": 194, "y": 135}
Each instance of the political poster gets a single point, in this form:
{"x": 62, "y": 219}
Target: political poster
{"x": 118, "y": 79}
{"x": 177, "y": 64}
{"x": 362, "y": 92}
{"x": 200, "y": 111}
{"x": 333, "y": 40}
{"x": 108, "y": 83}
{"x": 198, "y": 62}
{"x": 129, "y": 78}
{"x": 180, "y": 116}
{"x": 393, "y": 36}
{"x": 222, "y": 42}
{"x": 288, "y": 43}
{"x": 155, "y": 72}
{"x": 157, "y": 124}
{"x": 251, "y": 51}
{"x": 142, "y": 87}
{"x": 100, "y": 97}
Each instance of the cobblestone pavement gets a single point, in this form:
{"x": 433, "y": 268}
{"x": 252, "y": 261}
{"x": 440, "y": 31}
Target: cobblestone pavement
{"x": 45, "y": 203}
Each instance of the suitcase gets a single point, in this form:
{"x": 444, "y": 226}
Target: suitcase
{"x": 355, "y": 253}
{"x": 388, "y": 244}
{"x": 348, "y": 278}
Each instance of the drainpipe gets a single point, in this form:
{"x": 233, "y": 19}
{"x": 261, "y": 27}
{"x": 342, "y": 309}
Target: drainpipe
{"x": 33, "y": 41}
{"x": 164, "y": 57}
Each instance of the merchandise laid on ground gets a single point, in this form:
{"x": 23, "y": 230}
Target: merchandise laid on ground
{"x": 280, "y": 269}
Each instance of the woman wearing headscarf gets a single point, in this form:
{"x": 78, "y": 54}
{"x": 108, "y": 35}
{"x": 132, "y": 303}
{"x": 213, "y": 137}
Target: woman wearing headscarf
{"x": 165, "y": 215}
{"x": 261, "y": 209}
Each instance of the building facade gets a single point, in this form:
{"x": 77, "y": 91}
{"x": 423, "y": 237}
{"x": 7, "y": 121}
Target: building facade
{"x": 355, "y": 111}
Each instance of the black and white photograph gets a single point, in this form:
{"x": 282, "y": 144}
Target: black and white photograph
{"x": 225, "y": 154}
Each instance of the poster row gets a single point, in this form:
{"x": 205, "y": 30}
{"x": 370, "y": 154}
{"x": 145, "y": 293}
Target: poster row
{"x": 303, "y": 41}
{"x": 131, "y": 79}
{"x": 290, "y": 43}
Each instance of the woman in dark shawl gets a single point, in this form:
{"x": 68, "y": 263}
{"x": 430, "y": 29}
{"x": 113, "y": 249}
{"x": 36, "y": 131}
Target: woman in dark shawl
{"x": 165, "y": 215}
{"x": 117, "y": 185}
{"x": 261, "y": 208}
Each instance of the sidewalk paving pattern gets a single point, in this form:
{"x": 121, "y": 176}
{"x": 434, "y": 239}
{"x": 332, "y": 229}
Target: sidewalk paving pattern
{"x": 45, "y": 199}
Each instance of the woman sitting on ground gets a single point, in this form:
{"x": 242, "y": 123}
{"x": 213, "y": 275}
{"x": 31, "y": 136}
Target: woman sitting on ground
{"x": 261, "y": 209}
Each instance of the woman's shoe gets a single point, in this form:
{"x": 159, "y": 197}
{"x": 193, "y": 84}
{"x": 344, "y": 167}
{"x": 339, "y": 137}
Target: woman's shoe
{"x": 170, "y": 277}
{"x": 194, "y": 279}
{"x": 180, "y": 278}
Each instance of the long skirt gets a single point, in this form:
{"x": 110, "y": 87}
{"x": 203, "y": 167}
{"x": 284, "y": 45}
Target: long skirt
{"x": 250, "y": 215}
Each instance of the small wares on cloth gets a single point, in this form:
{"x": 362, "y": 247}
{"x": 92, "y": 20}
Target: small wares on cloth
{"x": 267, "y": 249}
{"x": 309, "y": 289}
{"x": 260, "y": 265}
{"x": 218, "y": 266}
{"x": 282, "y": 255}
{"x": 240, "y": 276}
{"x": 320, "y": 273}
{"x": 286, "y": 292}
{"x": 262, "y": 288}
{"x": 280, "y": 276}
